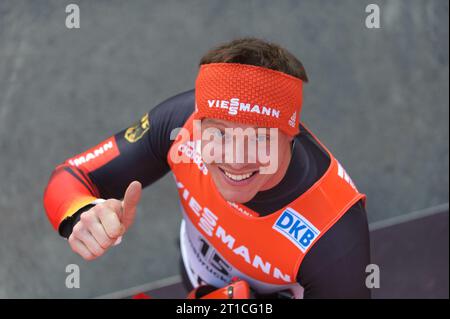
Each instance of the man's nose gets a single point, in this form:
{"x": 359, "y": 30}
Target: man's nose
{"x": 239, "y": 152}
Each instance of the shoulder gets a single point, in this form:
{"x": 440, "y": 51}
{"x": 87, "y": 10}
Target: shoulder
{"x": 166, "y": 117}
{"x": 335, "y": 266}
{"x": 348, "y": 236}
{"x": 174, "y": 111}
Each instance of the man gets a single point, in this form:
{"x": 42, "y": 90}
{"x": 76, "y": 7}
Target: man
{"x": 292, "y": 220}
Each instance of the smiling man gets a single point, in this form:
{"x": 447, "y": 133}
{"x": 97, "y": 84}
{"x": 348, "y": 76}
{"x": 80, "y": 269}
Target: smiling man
{"x": 261, "y": 197}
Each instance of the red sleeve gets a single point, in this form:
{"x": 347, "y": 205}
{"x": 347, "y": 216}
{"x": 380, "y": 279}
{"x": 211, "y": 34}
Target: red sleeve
{"x": 70, "y": 187}
{"x": 137, "y": 153}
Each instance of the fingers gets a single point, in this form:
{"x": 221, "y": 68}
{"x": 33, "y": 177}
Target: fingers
{"x": 130, "y": 203}
{"x": 104, "y": 224}
{"x": 101, "y": 237}
{"x": 97, "y": 230}
{"x": 80, "y": 233}
{"x": 91, "y": 243}
{"x": 109, "y": 218}
{"x": 80, "y": 248}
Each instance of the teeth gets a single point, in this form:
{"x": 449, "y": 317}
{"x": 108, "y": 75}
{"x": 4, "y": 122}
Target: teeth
{"x": 238, "y": 177}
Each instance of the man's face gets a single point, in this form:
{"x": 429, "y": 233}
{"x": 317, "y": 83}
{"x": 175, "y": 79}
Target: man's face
{"x": 243, "y": 159}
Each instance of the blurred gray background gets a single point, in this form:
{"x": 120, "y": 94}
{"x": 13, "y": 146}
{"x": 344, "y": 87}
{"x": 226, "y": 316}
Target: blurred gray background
{"x": 381, "y": 93}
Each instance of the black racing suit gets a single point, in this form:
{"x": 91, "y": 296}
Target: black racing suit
{"x": 335, "y": 265}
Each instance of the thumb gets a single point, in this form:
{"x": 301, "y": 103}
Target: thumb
{"x": 130, "y": 202}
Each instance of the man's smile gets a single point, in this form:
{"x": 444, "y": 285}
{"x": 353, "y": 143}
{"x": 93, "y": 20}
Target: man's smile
{"x": 238, "y": 179}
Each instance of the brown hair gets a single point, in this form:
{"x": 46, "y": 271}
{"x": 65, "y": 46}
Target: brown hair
{"x": 257, "y": 52}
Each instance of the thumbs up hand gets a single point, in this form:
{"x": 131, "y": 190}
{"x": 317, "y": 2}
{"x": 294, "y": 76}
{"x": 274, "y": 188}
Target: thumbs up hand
{"x": 103, "y": 225}
{"x": 130, "y": 203}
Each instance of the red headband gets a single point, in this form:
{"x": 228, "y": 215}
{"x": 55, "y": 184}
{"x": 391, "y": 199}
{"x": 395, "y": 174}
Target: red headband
{"x": 249, "y": 94}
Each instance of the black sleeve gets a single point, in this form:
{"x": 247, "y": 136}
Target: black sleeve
{"x": 165, "y": 118}
{"x": 144, "y": 159}
{"x": 335, "y": 265}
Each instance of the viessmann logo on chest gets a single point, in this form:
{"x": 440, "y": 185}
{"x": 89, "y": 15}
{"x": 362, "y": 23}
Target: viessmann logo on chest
{"x": 296, "y": 228}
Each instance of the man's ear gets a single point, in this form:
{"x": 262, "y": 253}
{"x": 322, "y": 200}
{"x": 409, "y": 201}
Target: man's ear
{"x": 292, "y": 142}
{"x": 289, "y": 137}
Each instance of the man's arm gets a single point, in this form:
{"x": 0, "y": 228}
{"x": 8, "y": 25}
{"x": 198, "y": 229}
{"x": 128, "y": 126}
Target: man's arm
{"x": 105, "y": 171}
{"x": 335, "y": 265}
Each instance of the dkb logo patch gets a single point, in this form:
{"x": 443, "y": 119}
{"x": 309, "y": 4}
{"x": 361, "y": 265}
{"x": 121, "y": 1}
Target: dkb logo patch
{"x": 296, "y": 228}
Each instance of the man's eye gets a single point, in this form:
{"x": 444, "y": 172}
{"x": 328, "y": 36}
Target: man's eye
{"x": 262, "y": 138}
{"x": 218, "y": 134}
